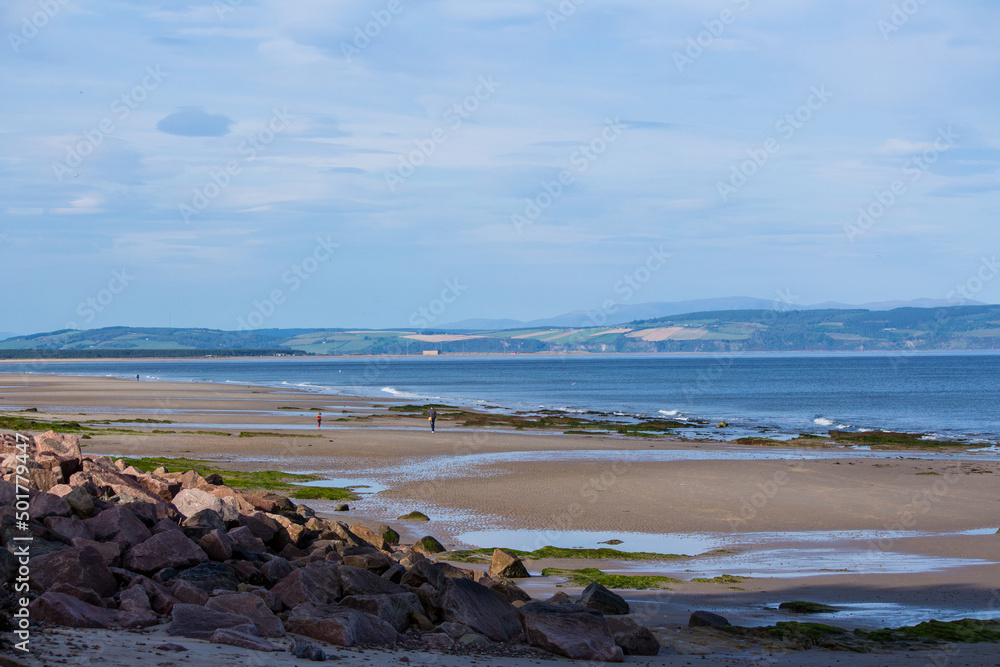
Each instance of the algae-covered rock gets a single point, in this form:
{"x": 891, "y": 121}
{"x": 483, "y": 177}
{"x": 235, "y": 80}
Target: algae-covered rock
{"x": 414, "y": 516}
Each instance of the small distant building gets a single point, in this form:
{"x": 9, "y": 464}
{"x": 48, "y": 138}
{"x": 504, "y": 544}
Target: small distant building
{"x": 431, "y": 353}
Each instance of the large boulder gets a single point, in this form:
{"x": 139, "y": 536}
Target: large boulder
{"x": 706, "y": 619}
{"x": 428, "y": 546}
{"x": 83, "y": 567}
{"x": 488, "y": 613}
{"x": 342, "y": 626}
{"x": 44, "y": 505}
{"x": 217, "y": 544}
{"x": 110, "y": 551}
{"x": 77, "y": 497}
{"x": 575, "y": 632}
{"x": 355, "y": 581}
{"x": 254, "y": 608}
{"x": 596, "y": 596}
{"x": 108, "y": 483}
{"x": 374, "y": 561}
{"x": 244, "y": 537}
{"x": 371, "y": 537}
{"x": 168, "y": 549}
{"x": 63, "y": 609}
{"x": 120, "y": 525}
{"x": 68, "y": 528}
{"x": 197, "y": 622}
{"x": 60, "y": 452}
{"x": 190, "y": 501}
{"x": 395, "y": 609}
{"x": 634, "y": 639}
{"x": 233, "y": 637}
{"x": 506, "y": 565}
{"x": 318, "y": 583}
{"x": 208, "y": 577}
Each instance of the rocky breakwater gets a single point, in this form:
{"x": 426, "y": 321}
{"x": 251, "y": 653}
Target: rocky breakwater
{"x": 115, "y": 547}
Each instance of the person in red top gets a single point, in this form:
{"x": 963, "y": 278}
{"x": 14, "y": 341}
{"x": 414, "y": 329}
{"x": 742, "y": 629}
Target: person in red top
{"x": 319, "y": 420}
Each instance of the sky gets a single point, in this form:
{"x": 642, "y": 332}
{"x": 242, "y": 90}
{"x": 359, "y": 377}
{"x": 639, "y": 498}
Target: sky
{"x": 375, "y": 164}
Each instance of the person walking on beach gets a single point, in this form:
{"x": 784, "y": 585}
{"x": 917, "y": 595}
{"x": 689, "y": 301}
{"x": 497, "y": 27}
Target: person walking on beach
{"x": 319, "y": 420}
{"x": 431, "y": 416}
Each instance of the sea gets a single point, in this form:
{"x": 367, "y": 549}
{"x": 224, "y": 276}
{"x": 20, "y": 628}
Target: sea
{"x": 940, "y": 395}
{"x": 944, "y": 396}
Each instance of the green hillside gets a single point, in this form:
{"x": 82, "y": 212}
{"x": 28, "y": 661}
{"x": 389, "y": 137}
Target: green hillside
{"x": 953, "y": 328}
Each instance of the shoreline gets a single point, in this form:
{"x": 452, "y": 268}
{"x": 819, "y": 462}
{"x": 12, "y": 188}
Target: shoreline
{"x": 480, "y": 480}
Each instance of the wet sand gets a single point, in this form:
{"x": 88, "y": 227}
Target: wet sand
{"x": 770, "y": 505}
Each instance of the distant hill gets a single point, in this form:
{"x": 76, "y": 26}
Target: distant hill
{"x": 625, "y": 313}
{"x": 740, "y": 330}
{"x": 6, "y": 334}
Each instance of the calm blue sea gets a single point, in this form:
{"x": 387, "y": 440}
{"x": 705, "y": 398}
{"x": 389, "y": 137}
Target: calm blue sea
{"x": 943, "y": 394}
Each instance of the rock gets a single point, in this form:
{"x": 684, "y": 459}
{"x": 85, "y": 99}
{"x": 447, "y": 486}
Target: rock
{"x": 634, "y": 639}
{"x": 371, "y": 537}
{"x": 414, "y": 516}
{"x": 244, "y": 537}
{"x": 111, "y": 552}
{"x": 423, "y": 623}
{"x": 596, "y": 596}
{"x": 428, "y": 545}
{"x": 388, "y": 534}
{"x": 42, "y": 479}
{"x": 560, "y": 598}
{"x": 341, "y": 507}
{"x": 307, "y": 651}
{"x": 376, "y": 561}
{"x": 189, "y": 501}
{"x": 164, "y": 525}
{"x": 160, "y": 487}
{"x": 421, "y": 572}
{"x": 44, "y": 505}
{"x": 197, "y": 622}
{"x": 160, "y": 597}
{"x": 254, "y": 608}
{"x": 168, "y": 646}
{"x": 188, "y": 593}
{"x": 270, "y": 502}
{"x": 571, "y": 631}
{"x": 206, "y": 518}
{"x": 88, "y": 595}
{"x": 209, "y": 577}
{"x": 362, "y": 582}
{"x": 454, "y": 630}
{"x": 431, "y": 600}
{"x": 484, "y": 611}
{"x": 706, "y": 619}
{"x": 83, "y": 567}
{"x": 232, "y": 637}
{"x": 107, "y": 484}
{"x": 450, "y": 571}
{"x": 394, "y": 573}
{"x": 62, "y": 609}
{"x": 437, "y": 641}
{"x": 506, "y": 565}
{"x": 60, "y": 452}
{"x": 395, "y": 609}
{"x": 260, "y": 525}
{"x": 67, "y": 528}
{"x": 169, "y": 549}
{"x": 217, "y": 545}
{"x": 119, "y": 525}
{"x": 802, "y": 607}
{"x": 507, "y": 589}
{"x": 342, "y": 626}
{"x": 318, "y": 583}
{"x": 276, "y": 569}
{"x": 472, "y": 639}
{"x": 77, "y": 497}
{"x": 134, "y": 599}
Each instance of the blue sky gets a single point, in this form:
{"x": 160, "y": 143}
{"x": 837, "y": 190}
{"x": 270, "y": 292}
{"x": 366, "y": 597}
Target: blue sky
{"x": 349, "y": 163}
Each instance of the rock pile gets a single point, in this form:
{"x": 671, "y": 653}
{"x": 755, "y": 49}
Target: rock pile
{"x": 116, "y": 547}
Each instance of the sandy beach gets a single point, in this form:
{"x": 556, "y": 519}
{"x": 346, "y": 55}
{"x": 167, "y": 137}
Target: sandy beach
{"x": 893, "y": 538}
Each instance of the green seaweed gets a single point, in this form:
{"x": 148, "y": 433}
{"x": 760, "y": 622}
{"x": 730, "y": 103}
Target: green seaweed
{"x": 803, "y": 607}
{"x": 586, "y": 576}
{"x": 721, "y": 579}
{"x": 807, "y": 633}
{"x": 484, "y": 555}
{"x": 966, "y": 631}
